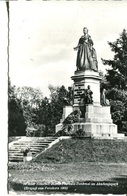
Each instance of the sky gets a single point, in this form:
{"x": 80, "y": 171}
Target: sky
{"x": 44, "y": 33}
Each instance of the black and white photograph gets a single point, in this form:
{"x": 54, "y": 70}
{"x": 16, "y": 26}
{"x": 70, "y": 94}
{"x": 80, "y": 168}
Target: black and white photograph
{"x": 67, "y": 97}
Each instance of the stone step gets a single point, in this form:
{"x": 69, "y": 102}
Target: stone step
{"x": 31, "y": 147}
{"x": 37, "y": 140}
{"x": 32, "y": 143}
{"x": 15, "y": 151}
{"x": 50, "y": 141}
{"x": 16, "y": 160}
{"x": 35, "y": 150}
{"x": 37, "y": 147}
{"x": 19, "y": 150}
{"x": 43, "y": 142}
{"x": 22, "y": 144}
{"x": 15, "y": 155}
{"x": 35, "y": 144}
{"x": 46, "y": 143}
{"x": 39, "y": 144}
{"x": 32, "y": 151}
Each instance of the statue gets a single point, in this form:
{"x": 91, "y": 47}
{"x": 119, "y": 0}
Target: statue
{"x": 68, "y": 100}
{"x": 88, "y": 96}
{"x": 67, "y": 128}
{"x": 70, "y": 95}
{"x": 86, "y": 55}
{"x": 104, "y": 101}
{"x": 82, "y": 104}
{"x": 85, "y": 98}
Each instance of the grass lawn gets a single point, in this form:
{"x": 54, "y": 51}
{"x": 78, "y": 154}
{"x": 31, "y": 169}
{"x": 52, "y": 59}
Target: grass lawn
{"x": 68, "y": 174}
{"x": 73, "y": 162}
{"x": 85, "y": 150}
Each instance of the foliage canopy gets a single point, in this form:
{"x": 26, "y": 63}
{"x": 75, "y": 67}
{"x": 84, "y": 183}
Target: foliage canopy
{"x": 115, "y": 81}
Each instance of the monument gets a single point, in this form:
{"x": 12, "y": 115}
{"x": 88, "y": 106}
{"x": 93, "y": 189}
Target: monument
{"x": 95, "y": 118}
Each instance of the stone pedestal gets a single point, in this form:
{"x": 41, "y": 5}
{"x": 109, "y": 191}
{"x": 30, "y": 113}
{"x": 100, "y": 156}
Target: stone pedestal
{"x": 98, "y": 123}
{"x": 58, "y": 127}
{"x": 98, "y": 130}
{"x": 98, "y": 114}
{"x": 81, "y": 80}
{"x": 66, "y": 111}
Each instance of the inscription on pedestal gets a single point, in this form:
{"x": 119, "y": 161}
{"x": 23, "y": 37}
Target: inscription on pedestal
{"x": 81, "y": 82}
{"x": 78, "y": 91}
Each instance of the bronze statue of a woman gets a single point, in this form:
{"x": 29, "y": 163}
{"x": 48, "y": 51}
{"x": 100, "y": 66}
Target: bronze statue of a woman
{"x": 86, "y": 55}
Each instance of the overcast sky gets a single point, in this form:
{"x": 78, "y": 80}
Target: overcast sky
{"x": 43, "y": 34}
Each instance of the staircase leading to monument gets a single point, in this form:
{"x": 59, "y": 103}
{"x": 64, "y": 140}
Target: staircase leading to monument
{"x": 35, "y": 144}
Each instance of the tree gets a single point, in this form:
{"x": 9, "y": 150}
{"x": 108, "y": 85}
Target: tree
{"x": 51, "y": 109}
{"x": 44, "y": 115}
{"x": 116, "y": 81}
{"x": 30, "y": 99}
{"x": 117, "y": 74}
{"x": 16, "y": 121}
{"x": 41, "y": 114}
{"x": 58, "y": 100}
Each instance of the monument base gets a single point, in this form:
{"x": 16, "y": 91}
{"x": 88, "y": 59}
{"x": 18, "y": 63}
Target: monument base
{"x": 97, "y": 130}
{"x": 98, "y": 123}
